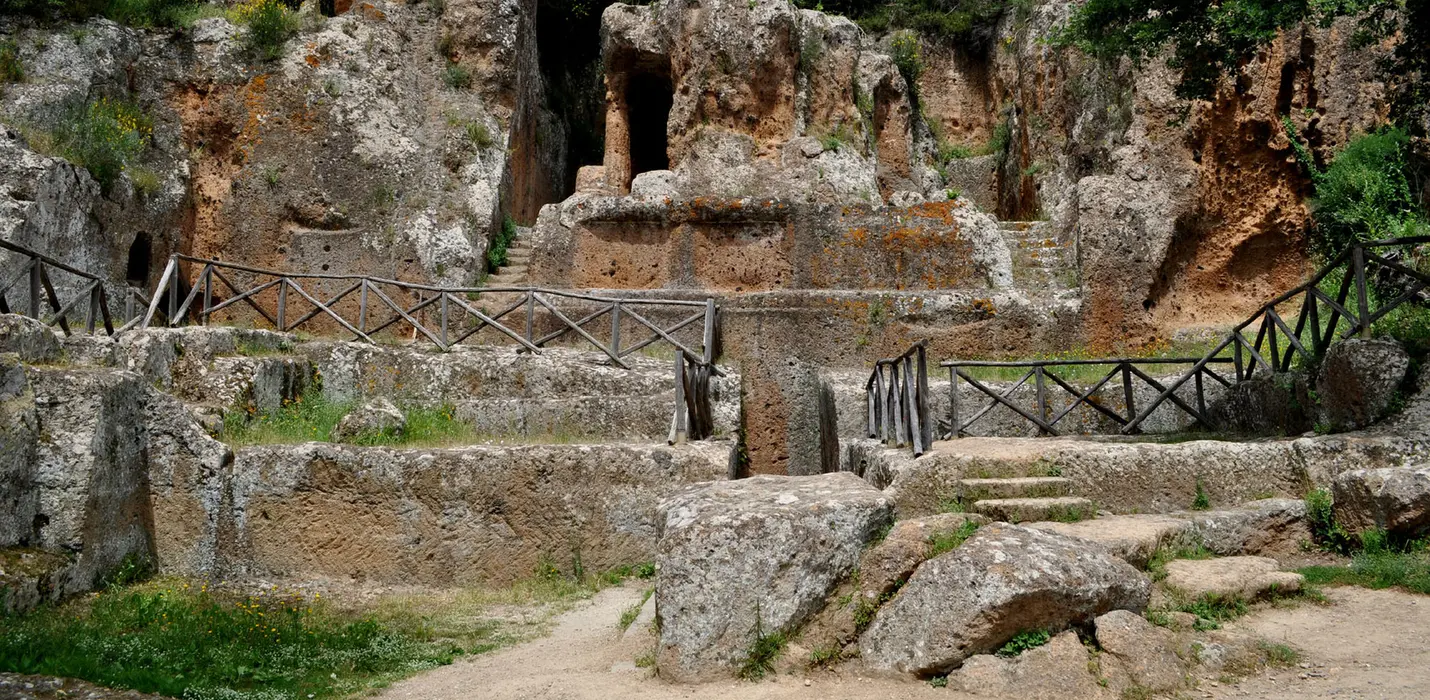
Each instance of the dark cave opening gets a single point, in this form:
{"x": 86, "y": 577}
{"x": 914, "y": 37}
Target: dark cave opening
{"x": 649, "y": 98}
{"x": 136, "y": 267}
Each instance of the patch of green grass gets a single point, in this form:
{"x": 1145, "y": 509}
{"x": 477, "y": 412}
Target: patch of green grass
{"x": 1157, "y": 564}
{"x": 1379, "y": 565}
{"x": 146, "y": 182}
{"x": 630, "y": 614}
{"x": 311, "y": 418}
{"x": 1212, "y": 610}
{"x": 949, "y": 541}
{"x": 250, "y": 348}
{"x": 824, "y": 656}
{"x": 478, "y": 134}
{"x": 1279, "y": 655}
{"x": 1025, "y": 640}
{"x": 184, "y": 640}
{"x": 646, "y": 660}
{"x": 1071, "y": 514}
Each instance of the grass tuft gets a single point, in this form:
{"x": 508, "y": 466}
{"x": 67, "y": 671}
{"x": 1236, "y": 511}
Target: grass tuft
{"x": 947, "y": 542}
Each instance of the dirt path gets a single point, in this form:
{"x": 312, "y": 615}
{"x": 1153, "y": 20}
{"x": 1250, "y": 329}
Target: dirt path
{"x": 1370, "y": 644}
{"x": 587, "y": 657}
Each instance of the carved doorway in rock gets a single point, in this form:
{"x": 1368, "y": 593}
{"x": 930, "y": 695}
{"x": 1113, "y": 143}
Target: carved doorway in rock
{"x": 648, "y": 100}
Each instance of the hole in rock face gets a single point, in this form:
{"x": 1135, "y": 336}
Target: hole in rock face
{"x": 648, "y": 101}
{"x": 136, "y": 268}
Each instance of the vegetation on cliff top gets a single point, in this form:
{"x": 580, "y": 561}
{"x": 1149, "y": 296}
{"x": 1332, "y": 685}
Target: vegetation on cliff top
{"x": 1210, "y": 40}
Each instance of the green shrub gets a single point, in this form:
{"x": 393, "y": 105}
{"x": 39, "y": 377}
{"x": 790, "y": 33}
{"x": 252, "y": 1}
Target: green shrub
{"x": 183, "y": 640}
{"x": 908, "y": 58}
{"x": 496, "y": 252}
{"x": 1023, "y": 641}
{"x": 1325, "y": 532}
{"x": 1367, "y": 193}
{"x": 270, "y": 23}
{"x": 760, "y": 658}
{"x": 1201, "y": 501}
{"x": 103, "y": 137}
{"x": 149, "y": 13}
{"x": 12, "y": 70}
{"x": 457, "y": 77}
{"x": 478, "y": 134}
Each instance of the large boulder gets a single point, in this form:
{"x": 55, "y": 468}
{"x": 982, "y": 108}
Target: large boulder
{"x": 33, "y": 341}
{"x": 1395, "y": 499}
{"x": 1145, "y": 653}
{"x": 1062, "y": 669}
{"x": 1358, "y": 381}
{"x": 377, "y": 417}
{"x": 19, "y": 435}
{"x": 1269, "y": 526}
{"x": 91, "y": 471}
{"x": 760, "y": 555}
{"x": 1004, "y": 579}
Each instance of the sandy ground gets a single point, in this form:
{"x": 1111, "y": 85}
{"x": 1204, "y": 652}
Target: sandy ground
{"x": 1368, "y": 644}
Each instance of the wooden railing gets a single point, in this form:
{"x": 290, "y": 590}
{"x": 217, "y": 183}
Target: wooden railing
{"x": 89, "y": 307}
{"x": 292, "y": 301}
{"x": 1041, "y": 372}
{"x": 1311, "y": 335}
{"x": 529, "y": 317}
{"x": 896, "y": 396}
{"x": 897, "y": 389}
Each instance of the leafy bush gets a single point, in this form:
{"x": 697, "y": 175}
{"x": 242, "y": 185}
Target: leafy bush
{"x": 908, "y": 58}
{"x": 149, "y": 13}
{"x": 1367, "y": 192}
{"x": 970, "y": 23}
{"x": 1023, "y": 641}
{"x": 270, "y": 23}
{"x": 103, "y": 136}
{"x": 457, "y": 77}
{"x": 183, "y": 640}
{"x": 496, "y": 252}
{"x": 11, "y": 69}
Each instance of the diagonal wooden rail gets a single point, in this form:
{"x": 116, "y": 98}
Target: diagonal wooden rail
{"x": 897, "y": 387}
{"x": 288, "y": 301}
{"x": 32, "y": 282}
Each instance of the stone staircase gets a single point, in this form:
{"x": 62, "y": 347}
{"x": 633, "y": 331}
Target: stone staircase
{"x": 1040, "y": 261}
{"x": 518, "y": 256}
{"x": 1025, "y": 499}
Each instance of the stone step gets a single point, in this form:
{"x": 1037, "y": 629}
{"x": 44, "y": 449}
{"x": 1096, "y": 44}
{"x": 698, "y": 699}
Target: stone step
{"x": 1020, "y": 487}
{"x": 1022, "y": 510}
{"x": 510, "y": 269}
{"x": 518, "y": 257}
{"x": 500, "y": 280}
